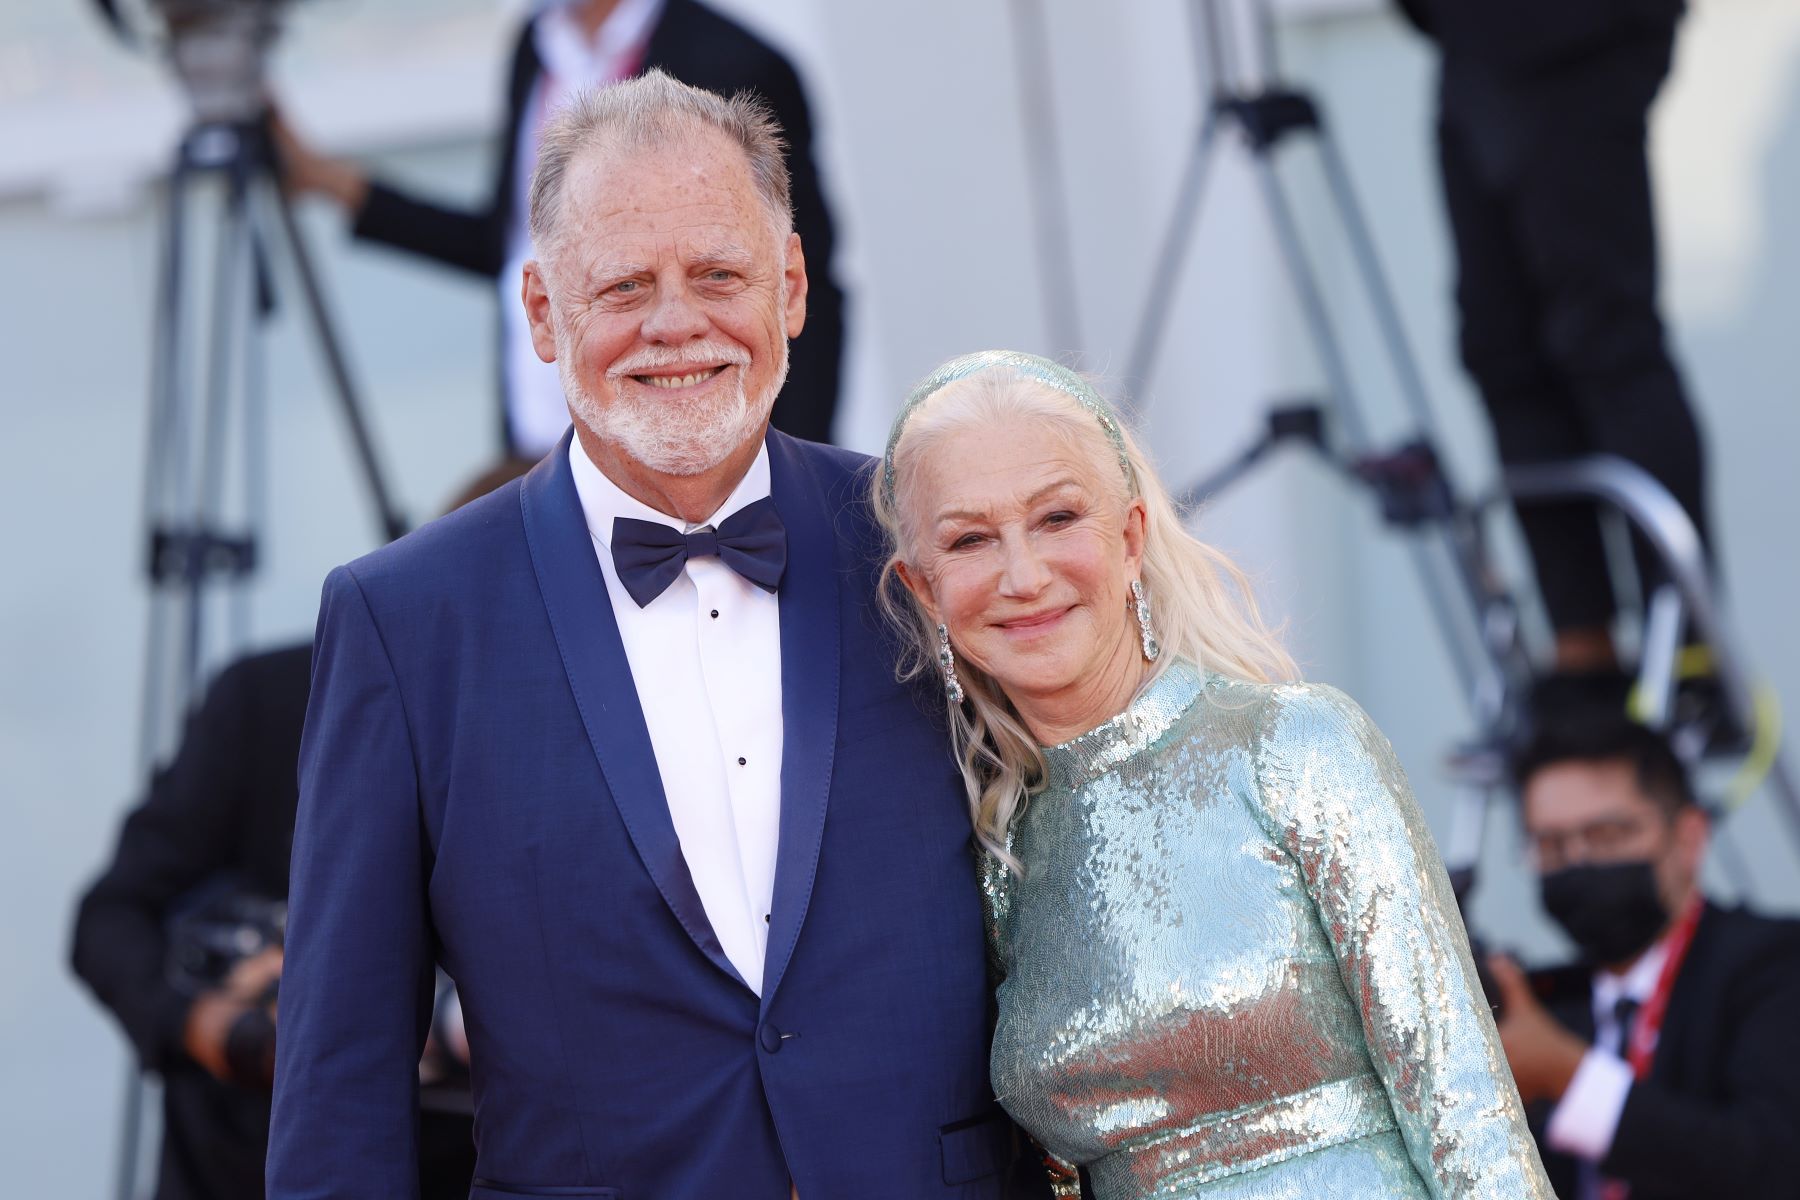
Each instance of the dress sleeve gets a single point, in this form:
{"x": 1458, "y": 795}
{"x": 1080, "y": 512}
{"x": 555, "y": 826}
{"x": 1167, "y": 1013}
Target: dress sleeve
{"x": 1337, "y": 801}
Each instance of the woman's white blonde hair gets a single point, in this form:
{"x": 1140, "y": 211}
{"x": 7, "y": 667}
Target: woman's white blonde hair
{"x": 1201, "y": 605}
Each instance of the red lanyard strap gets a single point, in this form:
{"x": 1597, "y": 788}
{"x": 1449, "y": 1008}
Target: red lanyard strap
{"x": 1647, "y": 1029}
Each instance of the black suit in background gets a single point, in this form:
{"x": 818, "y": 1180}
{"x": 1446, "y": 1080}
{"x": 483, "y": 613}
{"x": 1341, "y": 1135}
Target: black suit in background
{"x": 1542, "y": 125}
{"x": 1719, "y": 1115}
{"x": 700, "y": 47}
{"x": 224, "y": 808}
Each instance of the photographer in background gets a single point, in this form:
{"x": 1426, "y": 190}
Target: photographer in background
{"x": 207, "y": 848}
{"x": 568, "y": 46}
{"x": 1667, "y": 1061}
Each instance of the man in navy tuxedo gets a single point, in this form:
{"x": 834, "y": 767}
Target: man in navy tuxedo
{"x": 622, "y": 747}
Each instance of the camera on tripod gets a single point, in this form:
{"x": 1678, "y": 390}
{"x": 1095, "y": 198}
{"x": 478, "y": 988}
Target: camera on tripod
{"x": 218, "y": 49}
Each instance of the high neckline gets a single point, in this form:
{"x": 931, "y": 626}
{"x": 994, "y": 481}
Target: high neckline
{"x": 1151, "y": 714}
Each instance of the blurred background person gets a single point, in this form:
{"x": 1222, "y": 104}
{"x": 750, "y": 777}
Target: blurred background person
{"x": 199, "y": 873}
{"x": 1667, "y": 1059}
{"x": 1542, "y": 128}
{"x": 568, "y": 46}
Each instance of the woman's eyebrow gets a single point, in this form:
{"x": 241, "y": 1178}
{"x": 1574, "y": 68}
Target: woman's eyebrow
{"x": 964, "y": 514}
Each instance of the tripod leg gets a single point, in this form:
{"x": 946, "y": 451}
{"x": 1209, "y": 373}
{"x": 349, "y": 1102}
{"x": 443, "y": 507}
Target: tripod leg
{"x": 1055, "y": 249}
{"x": 1215, "y": 51}
{"x": 1381, "y": 296}
{"x": 1337, "y": 373}
{"x": 131, "y": 1124}
{"x": 207, "y": 500}
{"x": 392, "y": 523}
{"x": 1178, "y": 234}
{"x": 165, "y": 466}
{"x": 165, "y": 452}
{"x": 1466, "y": 553}
{"x": 1473, "y": 679}
{"x": 1312, "y": 304}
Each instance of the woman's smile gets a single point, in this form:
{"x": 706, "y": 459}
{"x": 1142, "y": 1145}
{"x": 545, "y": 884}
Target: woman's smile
{"x": 1032, "y": 625}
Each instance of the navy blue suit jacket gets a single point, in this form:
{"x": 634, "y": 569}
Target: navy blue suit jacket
{"x": 478, "y": 787}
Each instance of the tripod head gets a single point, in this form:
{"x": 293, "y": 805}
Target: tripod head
{"x": 217, "y": 48}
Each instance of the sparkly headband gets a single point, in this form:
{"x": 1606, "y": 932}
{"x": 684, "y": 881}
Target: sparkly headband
{"x": 1040, "y": 370}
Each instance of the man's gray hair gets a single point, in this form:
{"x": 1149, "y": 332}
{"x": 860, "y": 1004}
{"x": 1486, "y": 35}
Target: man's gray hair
{"x": 653, "y": 110}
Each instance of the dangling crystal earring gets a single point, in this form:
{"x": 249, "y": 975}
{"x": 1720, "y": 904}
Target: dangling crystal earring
{"x": 947, "y": 660}
{"x": 1152, "y": 647}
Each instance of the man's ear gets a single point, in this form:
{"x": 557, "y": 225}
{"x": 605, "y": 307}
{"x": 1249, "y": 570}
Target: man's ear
{"x": 535, "y": 292}
{"x": 795, "y": 273}
{"x": 919, "y": 586}
{"x": 1693, "y": 829}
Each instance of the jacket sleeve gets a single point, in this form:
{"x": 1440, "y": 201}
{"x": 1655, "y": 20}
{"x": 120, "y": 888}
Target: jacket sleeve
{"x": 1734, "y": 1143}
{"x": 469, "y": 239}
{"x": 357, "y": 982}
{"x": 1338, "y": 803}
{"x": 182, "y": 835}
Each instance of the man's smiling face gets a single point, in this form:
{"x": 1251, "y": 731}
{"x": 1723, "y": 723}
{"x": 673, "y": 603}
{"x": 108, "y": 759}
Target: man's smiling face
{"x": 673, "y": 295}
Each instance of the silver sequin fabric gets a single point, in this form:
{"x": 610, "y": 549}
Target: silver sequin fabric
{"x": 1232, "y": 967}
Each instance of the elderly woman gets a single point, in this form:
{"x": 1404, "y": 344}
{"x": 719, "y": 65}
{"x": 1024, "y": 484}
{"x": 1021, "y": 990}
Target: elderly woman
{"x": 1229, "y": 963}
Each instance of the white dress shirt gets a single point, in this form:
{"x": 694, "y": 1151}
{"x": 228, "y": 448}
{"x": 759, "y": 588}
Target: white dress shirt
{"x": 1586, "y": 1119}
{"x": 535, "y": 410}
{"x": 705, "y": 658}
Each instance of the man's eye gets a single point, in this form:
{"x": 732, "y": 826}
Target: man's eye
{"x": 626, "y": 286}
{"x": 720, "y": 276}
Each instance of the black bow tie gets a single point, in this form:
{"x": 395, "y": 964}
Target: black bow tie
{"x": 649, "y": 555}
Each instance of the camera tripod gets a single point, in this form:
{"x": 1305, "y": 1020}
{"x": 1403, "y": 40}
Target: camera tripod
{"x": 205, "y": 502}
{"x": 1478, "y": 619}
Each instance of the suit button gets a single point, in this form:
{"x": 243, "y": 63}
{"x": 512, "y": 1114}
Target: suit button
{"x": 769, "y": 1037}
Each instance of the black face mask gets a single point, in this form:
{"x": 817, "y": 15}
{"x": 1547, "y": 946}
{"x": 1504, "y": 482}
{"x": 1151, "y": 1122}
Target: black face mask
{"x": 1611, "y": 910}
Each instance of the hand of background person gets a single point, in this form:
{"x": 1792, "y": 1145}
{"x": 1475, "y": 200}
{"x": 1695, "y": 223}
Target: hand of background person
{"x": 213, "y": 1013}
{"x": 1543, "y": 1054}
{"x": 304, "y": 170}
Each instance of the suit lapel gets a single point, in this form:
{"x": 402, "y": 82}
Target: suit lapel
{"x": 587, "y": 636}
{"x": 809, "y": 694}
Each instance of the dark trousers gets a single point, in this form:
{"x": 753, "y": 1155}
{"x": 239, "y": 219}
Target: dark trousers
{"x": 1548, "y": 191}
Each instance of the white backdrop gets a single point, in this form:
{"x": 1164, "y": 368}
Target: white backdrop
{"x": 918, "y": 106}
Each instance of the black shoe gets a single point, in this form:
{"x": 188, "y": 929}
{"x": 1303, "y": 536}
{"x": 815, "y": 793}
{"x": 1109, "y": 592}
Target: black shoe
{"x": 1701, "y": 703}
{"x": 1575, "y": 695}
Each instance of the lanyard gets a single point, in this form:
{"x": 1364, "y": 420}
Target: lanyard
{"x": 1647, "y": 1029}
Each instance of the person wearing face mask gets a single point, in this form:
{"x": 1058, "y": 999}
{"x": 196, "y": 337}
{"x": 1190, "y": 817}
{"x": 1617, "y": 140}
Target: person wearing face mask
{"x": 1665, "y": 1064}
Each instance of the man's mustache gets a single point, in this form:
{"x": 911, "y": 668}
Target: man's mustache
{"x": 705, "y": 354}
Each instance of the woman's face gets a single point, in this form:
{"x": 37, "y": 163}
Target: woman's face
{"x": 1027, "y": 552}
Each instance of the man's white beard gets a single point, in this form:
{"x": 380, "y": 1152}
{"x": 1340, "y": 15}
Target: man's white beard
{"x": 671, "y": 436}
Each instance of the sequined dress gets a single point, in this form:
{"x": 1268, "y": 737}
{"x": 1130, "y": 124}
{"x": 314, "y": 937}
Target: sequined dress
{"x": 1233, "y": 968}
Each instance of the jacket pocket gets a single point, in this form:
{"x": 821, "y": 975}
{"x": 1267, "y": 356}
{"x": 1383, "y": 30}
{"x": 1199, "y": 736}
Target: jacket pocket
{"x": 491, "y": 1189}
{"x": 976, "y": 1147}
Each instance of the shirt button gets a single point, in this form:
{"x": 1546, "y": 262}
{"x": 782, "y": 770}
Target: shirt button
{"x": 742, "y": 761}
{"x": 715, "y": 614}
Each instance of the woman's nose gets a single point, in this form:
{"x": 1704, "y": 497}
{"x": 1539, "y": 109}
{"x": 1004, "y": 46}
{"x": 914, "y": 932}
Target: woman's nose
{"x": 1024, "y": 574}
